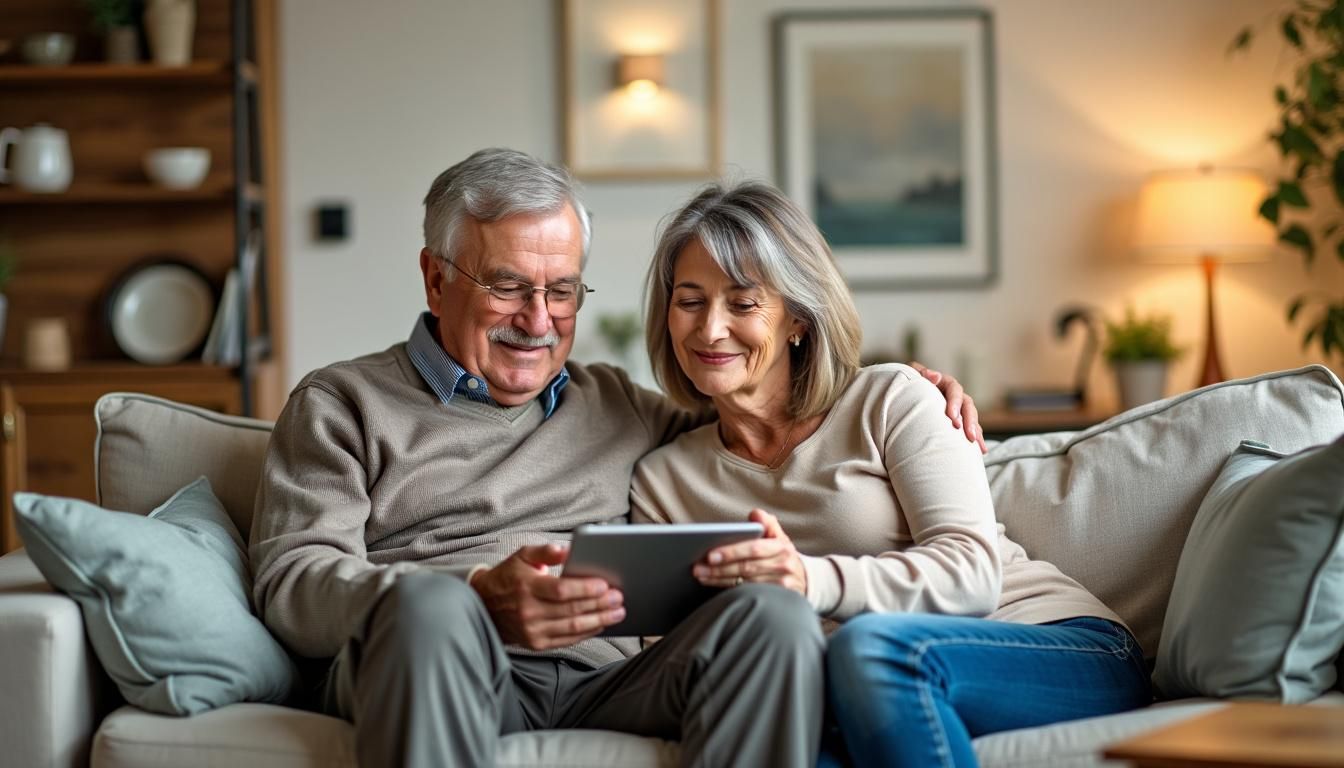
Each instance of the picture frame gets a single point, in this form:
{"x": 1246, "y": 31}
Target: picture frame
{"x": 609, "y": 133}
{"x": 885, "y": 135}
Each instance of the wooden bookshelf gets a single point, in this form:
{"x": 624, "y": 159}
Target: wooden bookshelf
{"x": 74, "y": 246}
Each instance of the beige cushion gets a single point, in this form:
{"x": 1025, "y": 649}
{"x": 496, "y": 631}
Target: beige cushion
{"x": 1111, "y": 505}
{"x": 148, "y": 448}
{"x": 267, "y": 736}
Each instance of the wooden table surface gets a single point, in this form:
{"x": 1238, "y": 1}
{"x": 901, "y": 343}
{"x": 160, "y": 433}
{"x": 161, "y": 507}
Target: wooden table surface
{"x": 1248, "y": 734}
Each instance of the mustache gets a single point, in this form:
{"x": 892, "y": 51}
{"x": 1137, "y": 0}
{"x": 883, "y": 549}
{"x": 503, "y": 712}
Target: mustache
{"x": 510, "y": 335}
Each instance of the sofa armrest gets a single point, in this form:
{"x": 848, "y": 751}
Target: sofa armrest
{"x": 54, "y": 689}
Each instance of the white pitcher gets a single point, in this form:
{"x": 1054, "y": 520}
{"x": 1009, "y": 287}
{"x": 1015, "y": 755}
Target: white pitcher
{"x": 40, "y": 159}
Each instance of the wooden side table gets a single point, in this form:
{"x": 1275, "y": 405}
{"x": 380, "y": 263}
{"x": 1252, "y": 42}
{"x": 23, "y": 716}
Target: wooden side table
{"x": 1246, "y": 734}
{"x": 1001, "y": 423}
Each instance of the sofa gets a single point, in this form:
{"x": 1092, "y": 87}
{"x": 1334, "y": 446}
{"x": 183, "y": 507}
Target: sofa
{"x": 1110, "y": 505}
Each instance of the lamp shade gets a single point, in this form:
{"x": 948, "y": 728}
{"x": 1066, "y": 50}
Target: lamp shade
{"x": 1187, "y": 215}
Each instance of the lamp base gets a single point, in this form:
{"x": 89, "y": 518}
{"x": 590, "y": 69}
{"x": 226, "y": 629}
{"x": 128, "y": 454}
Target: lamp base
{"x": 1213, "y": 369}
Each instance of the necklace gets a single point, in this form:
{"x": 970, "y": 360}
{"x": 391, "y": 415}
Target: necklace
{"x": 781, "y": 453}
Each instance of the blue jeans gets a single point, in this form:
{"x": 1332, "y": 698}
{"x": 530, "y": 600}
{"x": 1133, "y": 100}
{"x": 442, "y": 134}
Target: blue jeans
{"x": 914, "y": 689}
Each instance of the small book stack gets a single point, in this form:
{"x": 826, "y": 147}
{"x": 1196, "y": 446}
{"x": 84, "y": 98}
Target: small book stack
{"x": 224, "y": 344}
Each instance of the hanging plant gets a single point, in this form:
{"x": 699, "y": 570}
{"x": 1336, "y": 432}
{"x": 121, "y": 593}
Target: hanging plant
{"x": 1306, "y": 205}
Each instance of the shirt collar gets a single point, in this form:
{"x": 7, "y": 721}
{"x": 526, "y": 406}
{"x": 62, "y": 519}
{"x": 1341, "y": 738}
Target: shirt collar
{"x": 447, "y": 378}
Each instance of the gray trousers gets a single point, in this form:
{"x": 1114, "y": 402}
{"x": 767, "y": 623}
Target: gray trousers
{"x": 427, "y": 682}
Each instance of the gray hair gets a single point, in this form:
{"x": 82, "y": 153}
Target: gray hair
{"x": 757, "y": 236}
{"x": 493, "y": 184}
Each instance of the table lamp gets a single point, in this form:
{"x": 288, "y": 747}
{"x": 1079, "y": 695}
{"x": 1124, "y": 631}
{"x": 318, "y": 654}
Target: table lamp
{"x": 1203, "y": 215}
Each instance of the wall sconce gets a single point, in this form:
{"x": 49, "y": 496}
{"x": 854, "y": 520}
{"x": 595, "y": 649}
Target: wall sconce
{"x": 640, "y": 74}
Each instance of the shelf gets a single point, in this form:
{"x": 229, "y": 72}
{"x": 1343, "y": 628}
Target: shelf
{"x": 112, "y": 372}
{"x": 195, "y": 73}
{"x": 115, "y": 194}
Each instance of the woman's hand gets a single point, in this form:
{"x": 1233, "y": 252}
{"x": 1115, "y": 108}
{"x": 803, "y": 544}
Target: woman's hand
{"x": 960, "y": 407}
{"x": 768, "y": 560}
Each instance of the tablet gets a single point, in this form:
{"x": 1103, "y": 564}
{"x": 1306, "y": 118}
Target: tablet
{"x": 651, "y": 564}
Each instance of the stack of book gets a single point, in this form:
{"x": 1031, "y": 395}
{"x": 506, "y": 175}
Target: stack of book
{"x": 224, "y": 344}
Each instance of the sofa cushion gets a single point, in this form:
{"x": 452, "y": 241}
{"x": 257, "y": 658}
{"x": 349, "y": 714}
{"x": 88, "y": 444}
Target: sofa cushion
{"x": 148, "y": 447}
{"x": 1111, "y": 505}
{"x": 265, "y": 736}
{"x": 1257, "y": 608}
{"x": 164, "y": 598}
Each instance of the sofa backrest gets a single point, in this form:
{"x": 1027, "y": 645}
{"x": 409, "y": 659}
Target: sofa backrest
{"x": 1111, "y": 505}
{"x": 148, "y": 448}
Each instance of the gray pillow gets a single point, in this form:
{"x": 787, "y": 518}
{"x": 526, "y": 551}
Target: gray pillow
{"x": 1257, "y": 609}
{"x": 164, "y": 598}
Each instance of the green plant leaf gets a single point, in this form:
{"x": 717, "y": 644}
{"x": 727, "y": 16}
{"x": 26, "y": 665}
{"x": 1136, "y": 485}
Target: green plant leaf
{"x": 1296, "y": 307}
{"x": 1337, "y": 176}
{"x": 1298, "y": 237}
{"x": 1241, "y": 41}
{"x": 1310, "y": 334}
{"x": 1290, "y": 32}
{"x": 1290, "y": 194}
{"x": 1320, "y": 88}
{"x": 1269, "y": 209}
{"x": 1281, "y": 95}
{"x": 1296, "y": 141}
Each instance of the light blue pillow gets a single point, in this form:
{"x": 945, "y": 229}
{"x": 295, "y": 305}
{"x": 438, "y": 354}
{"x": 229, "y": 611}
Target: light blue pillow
{"x": 164, "y": 597}
{"x": 1257, "y": 608}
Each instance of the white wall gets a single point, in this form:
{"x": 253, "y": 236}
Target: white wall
{"x": 1092, "y": 95}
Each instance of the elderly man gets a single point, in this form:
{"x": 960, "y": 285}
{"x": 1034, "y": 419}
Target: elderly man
{"x": 414, "y": 502}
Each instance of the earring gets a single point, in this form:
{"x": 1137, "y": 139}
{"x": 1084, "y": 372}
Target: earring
{"x": 795, "y": 340}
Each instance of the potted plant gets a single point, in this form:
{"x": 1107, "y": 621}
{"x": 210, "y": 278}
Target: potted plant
{"x": 116, "y": 20}
{"x": 1307, "y": 206}
{"x": 1139, "y": 348}
{"x": 8, "y": 261}
{"x": 620, "y": 330}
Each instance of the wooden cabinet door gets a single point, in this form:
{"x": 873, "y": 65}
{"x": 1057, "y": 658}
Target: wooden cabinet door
{"x": 13, "y": 465}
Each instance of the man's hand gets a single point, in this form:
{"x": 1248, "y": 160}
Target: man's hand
{"x": 960, "y": 408}
{"x": 539, "y": 611}
{"x": 769, "y": 560}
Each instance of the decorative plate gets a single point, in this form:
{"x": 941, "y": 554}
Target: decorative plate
{"x": 160, "y": 312}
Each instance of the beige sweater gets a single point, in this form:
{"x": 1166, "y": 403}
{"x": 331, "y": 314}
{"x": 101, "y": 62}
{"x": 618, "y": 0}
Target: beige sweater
{"x": 887, "y": 501}
{"x": 369, "y": 476}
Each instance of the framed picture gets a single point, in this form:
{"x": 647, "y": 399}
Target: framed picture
{"x": 885, "y": 135}
{"x": 639, "y": 90}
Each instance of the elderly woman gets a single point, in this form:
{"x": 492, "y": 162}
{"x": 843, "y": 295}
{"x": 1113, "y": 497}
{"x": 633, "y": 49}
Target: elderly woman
{"x": 874, "y": 509}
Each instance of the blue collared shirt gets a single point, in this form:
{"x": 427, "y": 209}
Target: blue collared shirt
{"x": 447, "y": 378}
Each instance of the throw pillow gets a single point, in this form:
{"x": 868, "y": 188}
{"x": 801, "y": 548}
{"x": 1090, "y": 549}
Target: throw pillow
{"x": 164, "y": 598}
{"x": 1257, "y": 609}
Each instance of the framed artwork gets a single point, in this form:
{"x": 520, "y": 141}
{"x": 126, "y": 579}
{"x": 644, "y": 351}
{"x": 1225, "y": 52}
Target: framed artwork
{"x": 885, "y": 135}
{"x": 639, "y": 90}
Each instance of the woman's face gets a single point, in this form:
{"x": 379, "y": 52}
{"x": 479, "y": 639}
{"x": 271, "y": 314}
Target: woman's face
{"x": 730, "y": 340}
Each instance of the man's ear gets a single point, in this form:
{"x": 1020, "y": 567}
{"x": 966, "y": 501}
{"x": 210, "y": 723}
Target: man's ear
{"x": 432, "y": 271}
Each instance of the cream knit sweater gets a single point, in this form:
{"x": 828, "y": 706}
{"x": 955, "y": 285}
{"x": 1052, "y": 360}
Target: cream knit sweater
{"x": 888, "y": 502}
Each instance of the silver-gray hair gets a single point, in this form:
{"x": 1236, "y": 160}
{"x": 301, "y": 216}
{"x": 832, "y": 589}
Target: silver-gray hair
{"x": 758, "y": 236}
{"x": 493, "y": 184}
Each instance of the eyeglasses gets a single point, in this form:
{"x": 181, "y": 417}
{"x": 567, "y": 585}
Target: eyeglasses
{"x": 508, "y": 297}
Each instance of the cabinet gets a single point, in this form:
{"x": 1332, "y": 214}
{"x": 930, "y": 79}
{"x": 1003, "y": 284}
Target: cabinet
{"x": 74, "y": 246}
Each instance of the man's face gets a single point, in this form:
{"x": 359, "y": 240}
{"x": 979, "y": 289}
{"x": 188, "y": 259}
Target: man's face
{"x": 517, "y": 354}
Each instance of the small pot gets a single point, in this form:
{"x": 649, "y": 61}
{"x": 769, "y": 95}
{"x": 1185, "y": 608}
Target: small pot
{"x": 1140, "y": 381}
{"x": 170, "y": 26}
{"x": 121, "y": 45}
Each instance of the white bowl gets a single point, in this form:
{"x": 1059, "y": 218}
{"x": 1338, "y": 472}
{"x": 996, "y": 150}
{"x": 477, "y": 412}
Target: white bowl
{"x": 177, "y": 167}
{"x": 49, "y": 49}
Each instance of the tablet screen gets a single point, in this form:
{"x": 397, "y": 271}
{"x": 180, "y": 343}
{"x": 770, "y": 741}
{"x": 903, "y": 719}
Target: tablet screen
{"x": 651, "y": 565}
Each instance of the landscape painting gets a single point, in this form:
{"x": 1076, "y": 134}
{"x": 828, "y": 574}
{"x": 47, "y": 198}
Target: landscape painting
{"x": 886, "y": 139}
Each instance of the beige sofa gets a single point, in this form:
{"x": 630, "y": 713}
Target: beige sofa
{"x": 1110, "y": 505}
